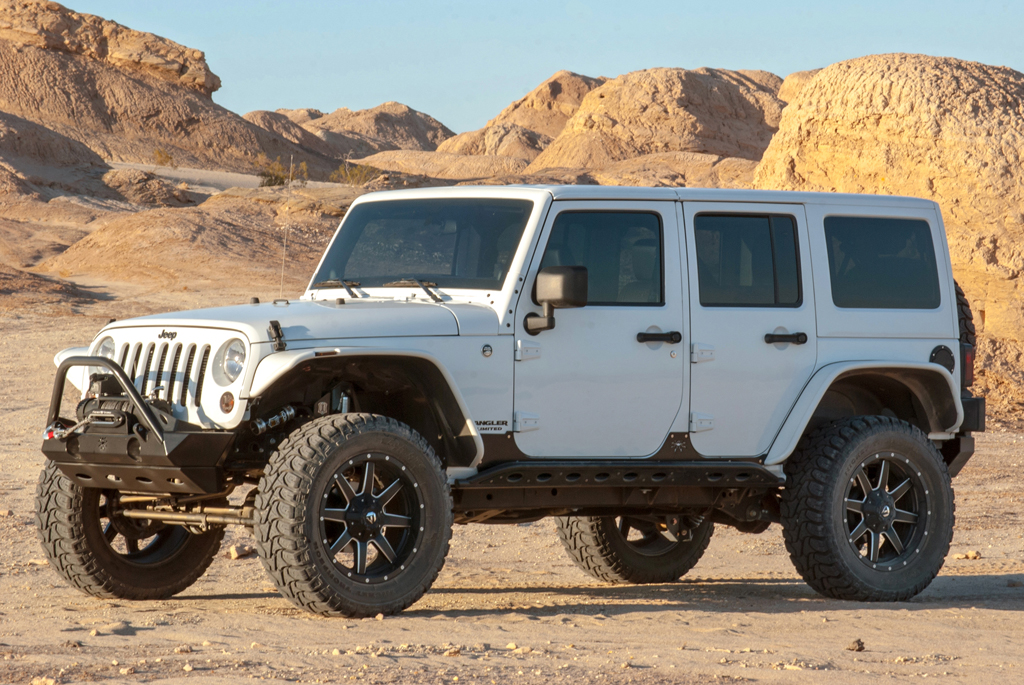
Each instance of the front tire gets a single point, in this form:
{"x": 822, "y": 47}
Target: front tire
{"x": 633, "y": 549}
{"x": 868, "y": 511}
{"x": 110, "y": 556}
{"x": 353, "y": 516}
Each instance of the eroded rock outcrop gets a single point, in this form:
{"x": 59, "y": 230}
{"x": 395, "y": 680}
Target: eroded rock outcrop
{"x": 528, "y": 125}
{"x": 390, "y": 126}
{"x": 934, "y": 127}
{"x": 52, "y": 26}
{"x": 443, "y": 165}
{"x": 710, "y": 111}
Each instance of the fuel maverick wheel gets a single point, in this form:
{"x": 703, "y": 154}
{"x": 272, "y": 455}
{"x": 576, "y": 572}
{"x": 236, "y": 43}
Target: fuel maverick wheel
{"x": 635, "y": 549}
{"x": 354, "y": 516}
{"x": 102, "y": 553}
{"x": 868, "y": 509}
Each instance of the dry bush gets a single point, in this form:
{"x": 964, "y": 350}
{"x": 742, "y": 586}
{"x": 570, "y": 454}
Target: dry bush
{"x": 354, "y": 174}
{"x": 274, "y": 173}
{"x": 162, "y": 157}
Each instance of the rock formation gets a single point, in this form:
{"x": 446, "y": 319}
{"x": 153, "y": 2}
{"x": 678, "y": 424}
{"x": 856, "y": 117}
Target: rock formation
{"x": 710, "y": 111}
{"x": 390, "y": 126}
{"x": 794, "y": 83}
{"x": 934, "y": 127}
{"x": 529, "y": 124}
{"x": 122, "y": 93}
{"x": 443, "y": 165}
{"x": 51, "y": 26}
{"x": 282, "y": 125}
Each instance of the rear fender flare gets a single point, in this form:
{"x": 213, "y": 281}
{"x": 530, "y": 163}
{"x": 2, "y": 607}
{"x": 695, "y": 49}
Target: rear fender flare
{"x": 926, "y": 381}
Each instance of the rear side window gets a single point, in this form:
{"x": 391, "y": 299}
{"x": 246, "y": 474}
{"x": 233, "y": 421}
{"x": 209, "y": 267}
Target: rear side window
{"x": 621, "y": 250}
{"x": 747, "y": 260}
{"x": 879, "y": 263}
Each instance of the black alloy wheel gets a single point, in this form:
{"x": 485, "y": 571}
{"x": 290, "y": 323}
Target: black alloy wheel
{"x": 886, "y": 503}
{"x": 371, "y": 517}
{"x": 103, "y": 553}
{"x": 649, "y": 536}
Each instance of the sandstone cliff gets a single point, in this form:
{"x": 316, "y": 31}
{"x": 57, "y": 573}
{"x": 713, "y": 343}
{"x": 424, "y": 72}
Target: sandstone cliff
{"x": 710, "y": 111}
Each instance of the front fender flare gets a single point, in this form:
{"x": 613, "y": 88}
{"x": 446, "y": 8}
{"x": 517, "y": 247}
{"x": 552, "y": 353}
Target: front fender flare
{"x": 275, "y": 366}
{"x": 793, "y": 429}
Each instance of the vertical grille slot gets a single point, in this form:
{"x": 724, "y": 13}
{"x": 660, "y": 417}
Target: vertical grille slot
{"x": 186, "y": 378}
{"x": 202, "y": 375}
{"x": 169, "y": 395}
{"x": 150, "y": 349}
{"x": 123, "y": 359}
{"x": 135, "y": 366}
{"x": 160, "y": 369}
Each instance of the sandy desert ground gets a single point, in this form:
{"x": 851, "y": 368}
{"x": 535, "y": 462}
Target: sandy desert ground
{"x": 509, "y": 606}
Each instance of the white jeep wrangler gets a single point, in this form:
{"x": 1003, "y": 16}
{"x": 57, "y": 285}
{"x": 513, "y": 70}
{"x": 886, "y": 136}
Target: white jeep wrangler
{"x": 639, "y": 363}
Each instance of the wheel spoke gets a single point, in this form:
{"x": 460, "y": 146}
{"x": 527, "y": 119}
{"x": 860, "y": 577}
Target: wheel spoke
{"x": 883, "y": 476}
{"x": 862, "y": 481}
{"x": 389, "y": 493}
{"x": 360, "y": 557}
{"x": 858, "y": 532}
{"x": 132, "y": 544}
{"x": 382, "y": 544}
{"x": 905, "y": 517}
{"x": 624, "y": 528}
{"x": 109, "y": 532}
{"x": 335, "y": 515}
{"x": 345, "y": 487}
{"x": 875, "y": 545}
{"x": 367, "y": 488}
{"x": 900, "y": 490}
{"x": 394, "y": 520}
{"x": 855, "y": 505}
{"x": 893, "y": 539}
{"x": 341, "y": 543}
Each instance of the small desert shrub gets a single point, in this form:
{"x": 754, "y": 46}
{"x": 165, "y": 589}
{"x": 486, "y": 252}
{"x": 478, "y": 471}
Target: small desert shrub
{"x": 162, "y": 157}
{"x": 274, "y": 173}
{"x": 354, "y": 174}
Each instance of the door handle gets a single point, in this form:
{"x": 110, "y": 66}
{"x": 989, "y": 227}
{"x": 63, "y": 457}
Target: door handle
{"x": 795, "y": 338}
{"x": 673, "y": 337}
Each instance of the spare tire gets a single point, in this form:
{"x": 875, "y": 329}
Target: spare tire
{"x": 965, "y": 317}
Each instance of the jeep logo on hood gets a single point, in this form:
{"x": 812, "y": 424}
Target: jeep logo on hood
{"x": 170, "y": 335}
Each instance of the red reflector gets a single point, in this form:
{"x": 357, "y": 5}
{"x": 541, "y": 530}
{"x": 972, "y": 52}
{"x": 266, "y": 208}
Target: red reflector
{"x": 968, "y": 379}
{"x": 49, "y": 435}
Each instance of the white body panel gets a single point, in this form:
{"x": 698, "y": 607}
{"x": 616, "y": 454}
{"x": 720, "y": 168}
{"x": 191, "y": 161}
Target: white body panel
{"x": 749, "y": 386}
{"x": 593, "y": 389}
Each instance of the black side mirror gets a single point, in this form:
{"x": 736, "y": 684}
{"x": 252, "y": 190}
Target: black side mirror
{"x": 557, "y": 287}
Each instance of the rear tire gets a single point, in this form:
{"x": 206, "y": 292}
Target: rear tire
{"x": 600, "y": 547}
{"x": 353, "y": 516}
{"x": 106, "y": 555}
{"x": 868, "y": 510}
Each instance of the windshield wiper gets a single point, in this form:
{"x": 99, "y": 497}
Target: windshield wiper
{"x": 334, "y": 283}
{"x": 410, "y": 282}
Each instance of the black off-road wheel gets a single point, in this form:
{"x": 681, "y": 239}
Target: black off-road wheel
{"x": 635, "y": 549}
{"x": 353, "y": 516}
{"x": 104, "y": 554}
{"x": 868, "y": 510}
{"x": 965, "y": 318}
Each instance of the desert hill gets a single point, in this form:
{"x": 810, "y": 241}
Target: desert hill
{"x": 122, "y": 93}
{"x": 935, "y": 127}
{"x": 528, "y": 125}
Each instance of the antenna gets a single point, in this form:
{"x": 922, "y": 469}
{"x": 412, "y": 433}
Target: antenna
{"x": 284, "y": 254}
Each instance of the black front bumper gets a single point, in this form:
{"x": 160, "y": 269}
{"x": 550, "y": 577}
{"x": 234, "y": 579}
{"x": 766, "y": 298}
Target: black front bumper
{"x": 184, "y": 460}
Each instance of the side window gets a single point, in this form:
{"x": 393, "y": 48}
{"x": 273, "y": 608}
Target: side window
{"x": 879, "y": 263}
{"x": 621, "y": 250}
{"x": 747, "y": 260}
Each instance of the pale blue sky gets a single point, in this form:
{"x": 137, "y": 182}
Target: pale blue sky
{"x": 462, "y": 62}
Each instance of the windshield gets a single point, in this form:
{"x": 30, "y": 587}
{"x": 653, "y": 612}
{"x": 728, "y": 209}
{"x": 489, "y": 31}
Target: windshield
{"x": 455, "y": 243}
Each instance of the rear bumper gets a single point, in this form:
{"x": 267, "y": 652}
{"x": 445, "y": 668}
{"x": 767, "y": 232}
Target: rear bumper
{"x": 150, "y": 459}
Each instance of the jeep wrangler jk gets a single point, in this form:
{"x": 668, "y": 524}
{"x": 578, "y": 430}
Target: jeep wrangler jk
{"x": 641, "y": 364}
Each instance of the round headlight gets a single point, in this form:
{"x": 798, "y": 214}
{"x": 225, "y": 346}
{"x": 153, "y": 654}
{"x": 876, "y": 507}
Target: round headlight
{"x": 106, "y": 348}
{"x": 234, "y": 360}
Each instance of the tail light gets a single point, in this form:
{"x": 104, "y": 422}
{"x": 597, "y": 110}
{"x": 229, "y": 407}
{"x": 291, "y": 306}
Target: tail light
{"x": 966, "y": 365}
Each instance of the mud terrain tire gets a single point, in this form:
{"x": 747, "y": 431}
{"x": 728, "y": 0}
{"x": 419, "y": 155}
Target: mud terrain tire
{"x": 597, "y": 546}
{"x": 852, "y": 487}
{"x": 353, "y": 516}
{"x": 79, "y": 545}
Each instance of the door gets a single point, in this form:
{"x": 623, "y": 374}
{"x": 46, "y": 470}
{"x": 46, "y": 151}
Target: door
{"x": 752, "y": 322}
{"x": 588, "y": 387}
